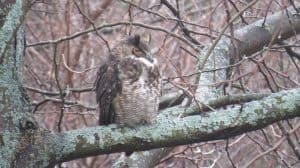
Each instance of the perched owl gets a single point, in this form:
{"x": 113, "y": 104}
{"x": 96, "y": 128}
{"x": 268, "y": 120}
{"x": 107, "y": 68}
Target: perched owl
{"x": 128, "y": 85}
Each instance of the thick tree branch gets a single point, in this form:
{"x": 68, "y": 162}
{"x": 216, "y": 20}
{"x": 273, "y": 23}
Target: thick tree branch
{"x": 10, "y": 21}
{"x": 165, "y": 133}
{"x": 277, "y": 27}
{"x": 14, "y": 107}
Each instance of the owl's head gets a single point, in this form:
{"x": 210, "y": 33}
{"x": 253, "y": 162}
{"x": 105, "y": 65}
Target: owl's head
{"x": 135, "y": 45}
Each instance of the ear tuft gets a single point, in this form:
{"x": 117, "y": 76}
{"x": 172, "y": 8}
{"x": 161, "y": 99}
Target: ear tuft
{"x": 136, "y": 39}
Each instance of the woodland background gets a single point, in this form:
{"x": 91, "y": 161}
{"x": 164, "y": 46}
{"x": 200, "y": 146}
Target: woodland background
{"x": 61, "y": 91}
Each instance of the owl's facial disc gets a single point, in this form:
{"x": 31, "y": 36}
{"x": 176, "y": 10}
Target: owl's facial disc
{"x": 138, "y": 52}
{"x": 140, "y": 48}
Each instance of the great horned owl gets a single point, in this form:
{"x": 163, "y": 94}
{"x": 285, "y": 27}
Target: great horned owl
{"x": 128, "y": 85}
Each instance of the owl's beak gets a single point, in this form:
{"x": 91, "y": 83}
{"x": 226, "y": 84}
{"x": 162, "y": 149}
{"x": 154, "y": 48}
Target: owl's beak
{"x": 149, "y": 57}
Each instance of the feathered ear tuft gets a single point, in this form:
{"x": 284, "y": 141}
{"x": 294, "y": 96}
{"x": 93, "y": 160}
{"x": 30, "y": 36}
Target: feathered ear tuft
{"x": 136, "y": 39}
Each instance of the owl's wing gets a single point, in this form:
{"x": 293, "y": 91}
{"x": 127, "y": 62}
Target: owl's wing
{"x": 106, "y": 87}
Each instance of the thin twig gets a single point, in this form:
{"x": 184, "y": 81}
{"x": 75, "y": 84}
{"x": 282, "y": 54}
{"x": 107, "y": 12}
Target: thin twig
{"x": 176, "y": 13}
{"x": 93, "y": 25}
{"x": 209, "y": 51}
{"x": 61, "y": 93}
{"x": 102, "y": 26}
{"x": 228, "y": 155}
{"x": 273, "y": 148}
{"x": 78, "y": 72}
{"x": 55, "y": 93}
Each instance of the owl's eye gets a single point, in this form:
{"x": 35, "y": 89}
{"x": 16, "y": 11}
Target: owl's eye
{"x": 137, "y": 52}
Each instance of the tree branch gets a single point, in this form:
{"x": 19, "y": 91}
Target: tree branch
{"x": 165, "y": 133}
{"x": 12, "y": 20}
{"x": 14, "y": 107}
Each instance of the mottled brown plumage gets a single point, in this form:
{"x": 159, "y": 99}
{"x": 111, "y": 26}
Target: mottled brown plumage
{"x": 128, "y": 85}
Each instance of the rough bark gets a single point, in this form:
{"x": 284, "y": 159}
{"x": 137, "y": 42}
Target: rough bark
{"x": 15, "y": 119}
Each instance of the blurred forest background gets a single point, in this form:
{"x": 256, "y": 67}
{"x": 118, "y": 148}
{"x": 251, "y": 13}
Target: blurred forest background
{"x": 61, "y": 88}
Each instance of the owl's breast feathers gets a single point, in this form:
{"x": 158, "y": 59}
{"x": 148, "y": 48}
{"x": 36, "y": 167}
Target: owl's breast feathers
{"x": 133, "y": 91}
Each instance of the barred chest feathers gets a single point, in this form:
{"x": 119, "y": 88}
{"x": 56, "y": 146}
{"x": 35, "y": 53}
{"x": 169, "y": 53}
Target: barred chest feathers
{"x": 138, "y": 99}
